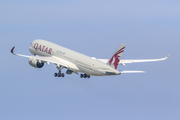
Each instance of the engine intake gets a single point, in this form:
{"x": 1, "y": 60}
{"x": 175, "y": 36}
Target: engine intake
{"x": 35, "y": 63}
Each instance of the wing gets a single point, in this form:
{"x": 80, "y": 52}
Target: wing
{"x": 135, "y": 60}
{"x": 57, "y": 61}
{"x": 124, "y": 71}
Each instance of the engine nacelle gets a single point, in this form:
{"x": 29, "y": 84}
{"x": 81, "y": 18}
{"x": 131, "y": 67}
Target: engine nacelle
{"x": 35, "y": 63}
{"x": 69, "y": 72}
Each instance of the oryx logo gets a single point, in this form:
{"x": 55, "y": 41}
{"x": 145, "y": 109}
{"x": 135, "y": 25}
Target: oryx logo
{"x": 116, "y": 58}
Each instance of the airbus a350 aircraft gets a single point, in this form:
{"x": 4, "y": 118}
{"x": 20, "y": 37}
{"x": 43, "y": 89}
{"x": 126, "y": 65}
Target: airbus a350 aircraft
{"x": 47, "y": 52}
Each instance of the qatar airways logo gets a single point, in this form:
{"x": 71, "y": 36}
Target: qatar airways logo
{"x": 116, "y": 58}
{"x": 42, "y": 48}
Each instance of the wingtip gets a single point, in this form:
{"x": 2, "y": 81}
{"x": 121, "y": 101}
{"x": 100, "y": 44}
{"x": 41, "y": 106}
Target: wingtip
{"x": 167, "y": 56}
{"x": 12, "y": 50}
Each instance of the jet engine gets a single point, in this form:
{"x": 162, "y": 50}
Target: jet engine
{"x": 35, "y": 63}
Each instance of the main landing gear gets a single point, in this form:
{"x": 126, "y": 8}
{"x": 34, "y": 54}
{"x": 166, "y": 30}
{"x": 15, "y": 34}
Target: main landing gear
{"x": 84, "y": 76}
{"x": 59, "y": 74}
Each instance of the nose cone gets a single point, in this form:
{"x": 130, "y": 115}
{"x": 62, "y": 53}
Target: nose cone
{"x": 34, "y": 46}
{"x": 31, "y": 47}
{"x": 34, "y": 42}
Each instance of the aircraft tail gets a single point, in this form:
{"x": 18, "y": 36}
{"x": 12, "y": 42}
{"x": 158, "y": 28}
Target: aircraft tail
{"x": 114, "y": 61}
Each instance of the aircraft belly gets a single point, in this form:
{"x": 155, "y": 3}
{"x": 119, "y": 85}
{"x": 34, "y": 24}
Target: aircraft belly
{"x": 85, "y": 69}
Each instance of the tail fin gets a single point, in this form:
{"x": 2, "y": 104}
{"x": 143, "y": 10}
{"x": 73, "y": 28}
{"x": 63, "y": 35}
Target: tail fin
{"x": 114, "y": 61}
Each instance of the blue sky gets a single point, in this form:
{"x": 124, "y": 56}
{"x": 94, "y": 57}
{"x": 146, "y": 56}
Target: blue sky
{"x": 150, "y": 29}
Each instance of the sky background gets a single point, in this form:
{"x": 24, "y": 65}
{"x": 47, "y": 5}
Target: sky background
{"x": 150, "y": 29}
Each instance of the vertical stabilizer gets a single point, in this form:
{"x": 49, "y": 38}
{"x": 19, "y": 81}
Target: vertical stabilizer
{"x": 114, "y": 61}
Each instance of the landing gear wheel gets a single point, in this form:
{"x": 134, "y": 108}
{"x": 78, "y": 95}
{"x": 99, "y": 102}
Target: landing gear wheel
{"x": 85, "y": 75}
{"x": 62, "y": 74}
{"x": 88, "y": 76}
{"x": 55, "y": 74}
{"x": 59, "y": 74}
{"x": 81, "y": 75}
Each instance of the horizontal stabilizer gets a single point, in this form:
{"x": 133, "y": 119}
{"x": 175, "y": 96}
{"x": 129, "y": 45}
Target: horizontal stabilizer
{"x": 132, "y": 71}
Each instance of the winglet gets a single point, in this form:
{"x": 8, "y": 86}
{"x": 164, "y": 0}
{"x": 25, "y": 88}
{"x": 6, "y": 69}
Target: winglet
{"x": 12, "y": 50}
{"x": 167, "y": 56}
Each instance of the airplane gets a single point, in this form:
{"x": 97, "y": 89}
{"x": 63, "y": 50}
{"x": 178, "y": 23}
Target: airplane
{"x": 47, "y": 52}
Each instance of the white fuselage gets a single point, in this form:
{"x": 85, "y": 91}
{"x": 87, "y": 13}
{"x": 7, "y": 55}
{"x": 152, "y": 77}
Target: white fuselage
{"x": 84, "y": 63}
